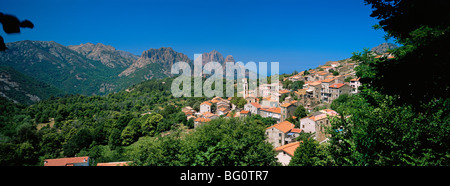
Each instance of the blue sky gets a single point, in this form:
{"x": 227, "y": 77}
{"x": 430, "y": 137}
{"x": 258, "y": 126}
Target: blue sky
{"x": 299, "y": 34}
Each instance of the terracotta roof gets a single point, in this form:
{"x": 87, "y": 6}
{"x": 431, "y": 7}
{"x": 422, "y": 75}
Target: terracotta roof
{"x": 322, "y": 73}
{"x": 272, "y": 109}
{"x": 65, "y": 161}
{"x": 244, "y": 111}
{"x": 326, "y": 67}
{"x": 286, "y": 105}
{"x": 202, "y": 120}
{"x": 329, "y": 111}
{"x": 206, "y": 102}
{"x": 314, "y": 83}
{"x": 216, "y": 99}
{"x": 123, "y": 163}
{"x": 289, "y": 148}
{"x": 257, "y": 105}
{"x": 208, "y": 114}
{"x": 327, "y": 80}
{"x": 337, "y": 85}
{"x": 284, "y": 91}
{"x": 296, "y": 130}
{"x": 325, "y": 114}
{"x": 318, "y": 117}
{"x": 284, "y": 126}
{"x": 355, "y": 79}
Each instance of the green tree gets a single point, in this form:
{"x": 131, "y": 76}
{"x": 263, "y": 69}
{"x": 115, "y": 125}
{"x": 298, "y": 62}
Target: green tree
{"x": 150, "y": 124}
{"x": 82, "y": 139}
{"x": 190, "y": 123}
{"x": 129, "y": 135}
{"x": 305, "y": 154}
{"x": 235, "y": 142}
{"x": 114, "y": 138}
{"x": 311, "y": 153}
{"x": 425, "y": 51}
{"x": 300, "y": 112}
{"x": 297, "y": 85}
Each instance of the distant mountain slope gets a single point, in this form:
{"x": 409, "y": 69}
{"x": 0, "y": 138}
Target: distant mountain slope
{"x": 21, "y": 88}
{"x": 106, "y": 54}
{"x": 55, "y": 64}
{"x": 93, "y": 68}
{"x": 154, "y": 63}
{"x": 382, "y": 48}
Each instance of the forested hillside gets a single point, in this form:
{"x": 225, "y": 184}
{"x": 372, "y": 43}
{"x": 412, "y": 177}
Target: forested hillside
{"x": 127, "y": 125}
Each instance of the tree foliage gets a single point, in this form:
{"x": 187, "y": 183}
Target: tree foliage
{"x": 418, "y": 73}
{"x": 221, "y": 142}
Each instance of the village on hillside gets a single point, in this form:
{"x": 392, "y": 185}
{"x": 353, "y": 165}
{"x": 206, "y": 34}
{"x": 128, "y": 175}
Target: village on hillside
{"x": 320, "y": 87}
{"x": 278, "y": 101}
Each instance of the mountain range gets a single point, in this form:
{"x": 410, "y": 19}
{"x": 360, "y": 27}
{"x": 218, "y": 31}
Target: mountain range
{"x": 34, "y": 70}
{"x": 89, "y": 69}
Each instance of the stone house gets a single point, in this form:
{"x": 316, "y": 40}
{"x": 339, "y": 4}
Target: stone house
{"x": 273, "y": 112}
{"x": 205, "y": 107}
{"x": 244, "y": 113}
{"x": 317, "y": 122}
{"x": 325, "y": 90}
{"x": 287, "y": 110}
{"x": 354, "y": 83}
{"x": 199, "y": 121}
{"x": 286, "y": 152}
{"x": 313, "y": 94}
{"x": 252, "y": 107}
{"x": 277, "y": 133}
{"x": 338, "y": 89}
{"x": 307, "y": 124}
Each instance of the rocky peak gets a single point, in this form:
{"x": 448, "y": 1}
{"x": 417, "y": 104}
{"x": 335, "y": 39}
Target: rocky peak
{"x": 165, "y": 56}
{"x": 106, "y": 54}
{"x": 212, "y": 56}
{"x": 229, "y": 58}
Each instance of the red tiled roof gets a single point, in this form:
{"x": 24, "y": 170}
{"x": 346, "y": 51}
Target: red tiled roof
{"x": 273, "y": 109}
{"x": 296, "y": 130}
{"x": 244, "y": 111}
{"x": 206, "y": 102}
{"x": 257, "y": 105}
{"x": 289, "y": 148}
{"x": 65, "y": 161}
{"x": 123, "y": 163}
{"x": 327, "y": 80}
{"x": 284, "y": 126}
{"x": 202, "y": 120}
{"x": 314, "y": 83}
{"x": 286, "y": 105}
{"x": 337, "y": 85}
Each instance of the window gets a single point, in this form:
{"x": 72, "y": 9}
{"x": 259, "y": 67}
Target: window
{"x": 279, "y": 134}
{"x": 303, "y": 126}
